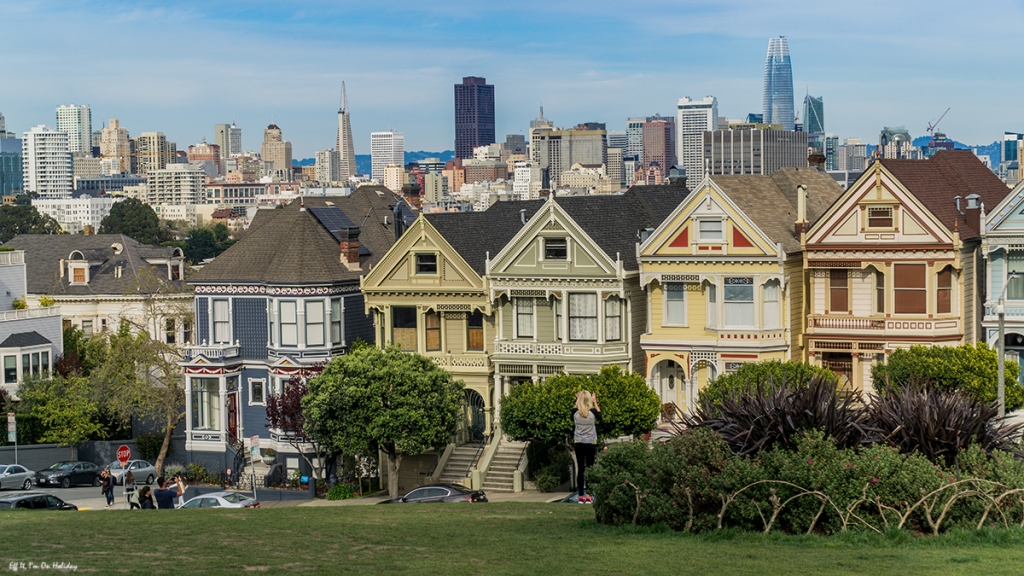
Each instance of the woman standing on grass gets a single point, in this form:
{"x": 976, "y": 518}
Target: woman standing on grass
{"x": 585, "y": 415}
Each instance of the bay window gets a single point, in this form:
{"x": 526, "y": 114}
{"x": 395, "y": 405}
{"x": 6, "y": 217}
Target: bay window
{"x": 909, "y": 293}
{"x": 712, "y": 309}
{"x": 583, "y": 317}
{"x": 675, "y": 304}
{"x": 289, "y": 323}
{"x": 613, "y": 319}
{"x": 771, "y": 304}
{"x": 221, "y": 322}
{"x": 944, "y": 292}
{"x": 879, "y": 292}
{"x": 1015, "y": 285}
{"x": 315, "y": 323}
{"x": 524, "y": 317}
{"x": 433, "y": 331}
{"x": 205, "y": 404}
{"x": 739, "y": 302}
{"x": 838, "y": 291}
{"x": 336, "y": 321}
{"x": 403, "y": 327}
{"x": 475, "y": 330}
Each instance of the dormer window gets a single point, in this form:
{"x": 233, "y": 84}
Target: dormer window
{"x": 710, "y": 231}
{"x": 880, "y": 217}
{"x": 555, "y": 249}
{"x": 426, "y": 263}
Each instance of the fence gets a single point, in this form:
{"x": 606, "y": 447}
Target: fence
{"x": 99, "y": 452}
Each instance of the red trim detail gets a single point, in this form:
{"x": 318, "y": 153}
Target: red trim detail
{"x": 739, "y": 240}
{"x": 683, "y": 240}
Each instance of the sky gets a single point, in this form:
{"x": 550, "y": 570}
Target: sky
{"x": 181, "y": 67}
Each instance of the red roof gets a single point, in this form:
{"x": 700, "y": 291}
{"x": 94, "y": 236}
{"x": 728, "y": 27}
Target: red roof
{"x": 937, "y": 182}
{"x": 222, "y": 213}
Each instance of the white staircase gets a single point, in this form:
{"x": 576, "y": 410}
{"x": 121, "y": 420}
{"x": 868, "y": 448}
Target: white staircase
{"x": 503, "y": 466}
{"x": 461, "y": 461}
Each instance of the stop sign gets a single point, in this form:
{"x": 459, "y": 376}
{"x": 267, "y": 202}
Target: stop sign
{"x": 123, "y": 454}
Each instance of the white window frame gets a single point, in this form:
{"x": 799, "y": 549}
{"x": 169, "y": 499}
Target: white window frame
{"x": 596, "y": 317}
{"x": 711, "y": 305}
{"x": 338, "y": 321}
{"x": 767, "y": 305}
{"x": 318, "y": 320}
{"x": 664, "y": 305}
{"x": 214, "y": 321}
{"x": 752, "y": 301}
{"x": 263, "y": 382}
{"x": 617, "y": 308}
{"x": 701, "y": 239}
{"x": 293, "y": 324}
{"x": 533, "y": 314}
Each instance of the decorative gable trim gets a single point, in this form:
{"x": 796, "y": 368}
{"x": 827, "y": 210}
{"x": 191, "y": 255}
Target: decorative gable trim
{"x": 1011, "y": 205}
{"x": 453, "y": 274}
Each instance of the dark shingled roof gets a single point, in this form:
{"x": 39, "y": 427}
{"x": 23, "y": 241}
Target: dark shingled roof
{"x": 43, "y": 255}
{"x": 291, "y": 246}
{"x": 23, "y": 339}
{"x": 612, "y": 221}
{"x": 771, "y": 201}
{"x": 949, "y": 173}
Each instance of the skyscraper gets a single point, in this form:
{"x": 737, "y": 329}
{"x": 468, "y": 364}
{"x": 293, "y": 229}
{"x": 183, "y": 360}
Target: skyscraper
{"x": 693, "y": 118}
{"x": 229, "y": 138}
{"x": 153, "y": 152}
{"x": 814, "y": 114}
{"x": 778, "y": 84}
{"x": 114, "y": 144}
{"x": 346, "y": 149}
{"x": 46, "y": 162}
{"x": 386, "y": 148}
{"x": 474, "y": 115}
{"x": 635, "y": 137}
{"x": 660, "y": 144}
{"x": 76, "y": 121}
{"x": 277, "y": 152}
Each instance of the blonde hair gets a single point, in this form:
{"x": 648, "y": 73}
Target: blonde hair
{"x": 584, "y": 402}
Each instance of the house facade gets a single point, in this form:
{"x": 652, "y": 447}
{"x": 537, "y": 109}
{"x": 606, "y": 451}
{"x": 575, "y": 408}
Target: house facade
{"x": 283, "y": 298}
{"x": 724, "y": 278}
{"x": 894, "y": 262}
{"x": 31, "y": 339}
{"x": 1003, "y": 251}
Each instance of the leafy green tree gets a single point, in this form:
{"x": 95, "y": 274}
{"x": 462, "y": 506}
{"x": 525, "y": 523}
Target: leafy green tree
{"x": 207, "y": 242}
{"x": 542, "y": 411}
{"x": 64, "y": 408}
{"x": 18, "y": 219}
{"x": 971, "y": 369}
{"x": 753, "y": 374}
{"x": 134, "y": 219}
{"x": 372, "y": 399}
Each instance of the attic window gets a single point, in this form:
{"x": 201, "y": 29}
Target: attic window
{"x": 711, "y": 231}
{"x": 555, "y": 249}
{"x": 426, "y": 263}
{"x": 78, "y": 275}
{"x": 880, "y": 217}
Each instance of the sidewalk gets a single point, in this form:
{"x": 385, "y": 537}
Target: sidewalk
{"x": 524, "y": 496}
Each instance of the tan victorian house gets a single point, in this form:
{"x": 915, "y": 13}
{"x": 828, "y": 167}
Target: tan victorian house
{"x": 894, "y": 262}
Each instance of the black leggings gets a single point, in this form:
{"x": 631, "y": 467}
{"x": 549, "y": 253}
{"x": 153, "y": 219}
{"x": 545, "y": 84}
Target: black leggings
{"x": 585, "y": 454}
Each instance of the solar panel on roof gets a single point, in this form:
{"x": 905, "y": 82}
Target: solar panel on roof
{"x": 332, "y": 218}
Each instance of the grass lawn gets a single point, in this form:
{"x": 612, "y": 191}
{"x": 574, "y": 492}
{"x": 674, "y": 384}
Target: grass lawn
{"x": 494, "y": 538}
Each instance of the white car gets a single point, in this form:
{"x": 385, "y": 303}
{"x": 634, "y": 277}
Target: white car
{"x": 16, "y": 476}
{"x": 142, "y": 471}
{"x": 222, "y": 500}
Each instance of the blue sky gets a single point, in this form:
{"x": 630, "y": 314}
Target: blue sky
{"x": 180, "y": 67}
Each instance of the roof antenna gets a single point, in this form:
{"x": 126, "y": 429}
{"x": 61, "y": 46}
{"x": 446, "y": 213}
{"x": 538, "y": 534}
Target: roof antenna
{"x": 302, "y": 203}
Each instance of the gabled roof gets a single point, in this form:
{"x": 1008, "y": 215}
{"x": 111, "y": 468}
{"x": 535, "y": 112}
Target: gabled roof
{"x": 43, "y": 255}
{"x": 291, "y": 245}
{"x": 770, "y": 202}
{"x": 474, "y": 235}
{"x": 24, "y": 339}
{"x": 949, "y": 173}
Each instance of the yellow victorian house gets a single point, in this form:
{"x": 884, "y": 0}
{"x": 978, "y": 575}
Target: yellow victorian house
{"x": 724, "y": 279}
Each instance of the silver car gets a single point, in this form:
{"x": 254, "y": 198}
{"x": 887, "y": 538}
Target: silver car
{"x": 222, "y": 500}
{"x": 15, "y": 476}
{"x": 142, "y": 471}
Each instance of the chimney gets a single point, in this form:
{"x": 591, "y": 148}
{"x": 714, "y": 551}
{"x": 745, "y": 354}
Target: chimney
{"x": 816, "y": 160}
{"x": 87, "y": 230}
{"x": 522, "y": 215}
{"x": 399, "y": 223}
{"x": 973, "y": 212}
{"x": 801, "y": 210}
{"x": 957, "y": 199}
{"x": 350, "y": 247}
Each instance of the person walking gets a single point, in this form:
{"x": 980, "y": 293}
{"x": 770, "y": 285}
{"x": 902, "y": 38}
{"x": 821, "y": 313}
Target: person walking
{"x": 585, "y": 416}
{"x": 107, "y": 487}
{"x": 146, "y": 499}
{"x": 129, "y": 491}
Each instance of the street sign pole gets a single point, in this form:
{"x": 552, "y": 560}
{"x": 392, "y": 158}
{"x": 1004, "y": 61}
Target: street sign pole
{"x": 12, "y": 433}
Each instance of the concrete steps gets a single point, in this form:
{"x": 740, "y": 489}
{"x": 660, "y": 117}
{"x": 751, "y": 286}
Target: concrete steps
{"x": 503, "y": 467}
{"x": 461, "y": 461}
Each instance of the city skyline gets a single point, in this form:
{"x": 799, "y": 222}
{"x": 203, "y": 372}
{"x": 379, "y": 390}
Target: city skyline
{"x": 865, "y": 85}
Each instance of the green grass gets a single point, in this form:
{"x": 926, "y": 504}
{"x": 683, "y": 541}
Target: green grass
{"x": 505, "y": 538}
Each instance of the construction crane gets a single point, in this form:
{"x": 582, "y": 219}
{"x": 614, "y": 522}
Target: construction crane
{"x": 933, "y": 125}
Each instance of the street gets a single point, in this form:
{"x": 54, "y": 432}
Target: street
{"x": 89, "y": 498}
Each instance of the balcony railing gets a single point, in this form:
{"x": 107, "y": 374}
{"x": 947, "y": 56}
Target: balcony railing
{"x": 213, "y": 351}
{"x": 12, "y": 257}
{"x": 29, "y": 312}
{"x": 461, "y": 360}
{"x": 840, "y": 323}
{"x": 1009, "y": 310}
{"x": 501, "y": 347}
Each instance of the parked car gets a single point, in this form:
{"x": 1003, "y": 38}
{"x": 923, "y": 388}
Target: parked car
{"x": 142, "y": 470}
{"x": 34, "y": 501}
{"x": 69, "y": 473}
{"x": 222, "y": 500}
{"x": 15, "y": 476}
{"x": 441, "y": 493}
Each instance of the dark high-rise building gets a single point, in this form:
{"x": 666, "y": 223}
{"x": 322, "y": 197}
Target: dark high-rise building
{"x": 814, "y": 114}
{"x": 778, "y": 85}
{"x": 474, "y": 115}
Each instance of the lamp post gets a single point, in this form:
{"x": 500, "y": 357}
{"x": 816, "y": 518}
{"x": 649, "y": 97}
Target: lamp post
{"x": 1001, "y": 346}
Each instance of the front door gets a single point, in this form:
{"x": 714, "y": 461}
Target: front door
{"x": 671, "y": 383}
{"x": 476, "y": 416}
{"x": 232, "y": 406}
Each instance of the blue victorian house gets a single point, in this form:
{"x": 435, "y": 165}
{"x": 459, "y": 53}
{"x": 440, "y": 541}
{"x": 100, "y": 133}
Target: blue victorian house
{"x": 284, "y": 297}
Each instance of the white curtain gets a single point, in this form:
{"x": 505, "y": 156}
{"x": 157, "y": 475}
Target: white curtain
{"x": 315, "y": 323}
{"x": 675, "y": 304}
{"x": 524, "y": 317}
{"x": 739, "y": 305}
{"x": 583, "y": 317}
{"x": 289, "y": 325}
{"x": 612, "y": 319}
{"x": 712, "y": 310}
{"x": 221, "y": 322}
{"x": 771, "y": 304}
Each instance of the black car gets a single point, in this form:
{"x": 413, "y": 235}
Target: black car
{"x": 441, "y": 493}
{"x": 69, "y": 473}
{"x": 34, "y": 501}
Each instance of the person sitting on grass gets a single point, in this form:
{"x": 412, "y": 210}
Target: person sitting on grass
{"x": 165, "y": 496}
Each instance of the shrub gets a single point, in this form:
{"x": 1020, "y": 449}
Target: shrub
{"x": 46, "y": 301}
{"x": 149, "y": 446}
{"x": 968, "y": 368}
{"x": 172, "y": 470}
{"x": 754, "y": 374}
{"x": 939, "y": 423}
{"x": 778, "y": 413}
{"x": 340, "y": 492}
{"x": 19, "y": 303}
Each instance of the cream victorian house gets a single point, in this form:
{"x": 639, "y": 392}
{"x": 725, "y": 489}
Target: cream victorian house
{"x": 724, "y": 278}
{"x": 895, "y": 261}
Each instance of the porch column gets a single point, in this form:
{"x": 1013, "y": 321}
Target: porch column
{"x": 222, "y": 390}
{"x": 498, "y": 391}
{"x": 856, "y": 373}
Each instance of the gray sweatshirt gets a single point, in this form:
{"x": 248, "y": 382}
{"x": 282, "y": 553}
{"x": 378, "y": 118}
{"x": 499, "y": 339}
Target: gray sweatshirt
{"x": 586, "y": 426}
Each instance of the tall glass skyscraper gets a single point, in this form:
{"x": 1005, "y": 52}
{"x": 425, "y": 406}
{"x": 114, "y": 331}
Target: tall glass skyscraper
{"x": 814, "y": 114}
{"x": 778, "y": 84}
{"x": 474, "y": 115}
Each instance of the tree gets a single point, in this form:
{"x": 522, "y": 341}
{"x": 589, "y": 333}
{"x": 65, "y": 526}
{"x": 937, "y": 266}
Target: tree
{"x": 134, "y": 219}
{"x": 971, "y": 369}
{"x": 541, "y": 411}
{"x": 207, "y": 242}
{"x": 64, "y": 408}
{"x": 753, "y": 374}
{"x": 285, "y": 413}
{"x": 372, "y": 399}
{"x": 17, "y": 219}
